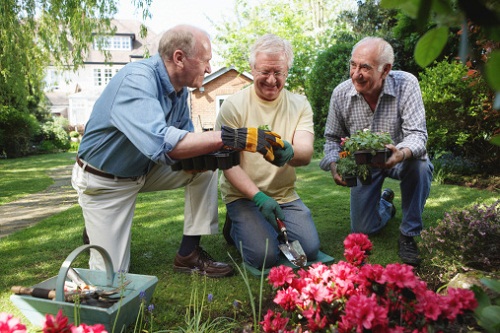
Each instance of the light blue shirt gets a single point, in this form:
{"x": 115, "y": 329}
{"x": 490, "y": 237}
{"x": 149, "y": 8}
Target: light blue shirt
{"x": 137, "y": 121}
{"x": 399, "y": 112}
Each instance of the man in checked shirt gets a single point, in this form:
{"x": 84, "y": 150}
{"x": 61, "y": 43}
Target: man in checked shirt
{"x": 382, "y": 100}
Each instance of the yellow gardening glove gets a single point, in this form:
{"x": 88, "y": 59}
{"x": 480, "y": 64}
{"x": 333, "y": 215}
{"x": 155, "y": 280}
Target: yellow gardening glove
{"x": 253, "y": 140}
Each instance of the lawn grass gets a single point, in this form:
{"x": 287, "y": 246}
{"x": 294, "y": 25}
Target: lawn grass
{"x": 35, "y": 254}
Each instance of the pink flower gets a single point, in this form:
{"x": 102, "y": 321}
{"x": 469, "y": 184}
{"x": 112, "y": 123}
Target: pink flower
{"x": 273, "y": 322}
{"x": 287, "y": 298}
{"x": 280, "y": 275}
{"x": 359, "y": 297}
{"x": 358, "y": 239}
{"x": 364, "y": 312}
{"x": 355, "y": 255}
{"x": 57, "y": 324}
{"x": 83, "y": 328}
{"x": 9, "y": 324}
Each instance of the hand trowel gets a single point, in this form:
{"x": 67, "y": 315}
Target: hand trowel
{"x": 293, "y": 251}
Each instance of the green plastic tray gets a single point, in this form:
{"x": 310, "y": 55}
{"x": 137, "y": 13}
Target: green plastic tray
{"x": 322, "y": 257}
{"x": 35, "y": 309}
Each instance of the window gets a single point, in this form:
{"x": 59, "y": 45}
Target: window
{"x": 220, "y": 99}
{"x": 113, "y": 43}
{"x": 97, "y": 77}
{"x": 108, "y": 74}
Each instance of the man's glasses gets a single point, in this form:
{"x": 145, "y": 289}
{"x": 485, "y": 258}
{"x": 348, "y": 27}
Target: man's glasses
{"x": 277, "y": 75}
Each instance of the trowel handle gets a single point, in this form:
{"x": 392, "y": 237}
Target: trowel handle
{"x": 281, "y": 225}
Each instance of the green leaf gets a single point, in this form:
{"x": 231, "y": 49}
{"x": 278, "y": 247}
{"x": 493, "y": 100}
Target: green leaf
{"x": 492, "y": 284}
{"x": 482, "y": 299}
{"x": 489, "y": 318}
{"x": 430, "y": 46}
{"x": 492, "y": 69}
{"x": 409, "y": 7}
{"x": 423, "y": 14}
{"x": 495, "y": 140}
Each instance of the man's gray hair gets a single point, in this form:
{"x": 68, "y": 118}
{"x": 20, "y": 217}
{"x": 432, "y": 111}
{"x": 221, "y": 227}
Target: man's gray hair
{"x": 385, "y": 52}
{"x": 272, "y": 44}
{"x": 181, "y": 37}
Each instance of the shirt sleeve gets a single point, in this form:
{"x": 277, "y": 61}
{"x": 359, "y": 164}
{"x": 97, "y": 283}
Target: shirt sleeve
{"x": 333, "y": 133}
{"x": 413, "y": 124}
{"x": 153, "y": 123}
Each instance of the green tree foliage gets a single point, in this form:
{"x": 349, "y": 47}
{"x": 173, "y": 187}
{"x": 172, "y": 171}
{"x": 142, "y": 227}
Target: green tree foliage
{"x": 16, "y": 130}
{"x": 330, "y": 69}
{"x": 467, "y": 15}
{"x": 459, "y": 112}
{"x": 34, "y": 34}
{"x": 308, "y": 26}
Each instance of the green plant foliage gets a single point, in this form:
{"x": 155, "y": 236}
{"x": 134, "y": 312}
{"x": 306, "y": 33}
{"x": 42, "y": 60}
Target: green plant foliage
{"x": 488, "y": 311}
{"x": 464, "y": 238}
{"x": 459, "y": 113}
{"x": 480, "y": 15}
{"x": 492, "y": 77}
{"x": 367, "y": 140}
{"x": 17, "y": 128}
{"x": 430, "y": 45}
{"x": 307, "y": 25}
{"x": 330, "y": 69}
{"x": 53, "y": 136}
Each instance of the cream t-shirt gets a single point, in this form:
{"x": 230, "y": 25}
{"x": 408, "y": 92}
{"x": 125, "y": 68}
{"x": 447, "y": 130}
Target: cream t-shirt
{"x": 288, "y": 113}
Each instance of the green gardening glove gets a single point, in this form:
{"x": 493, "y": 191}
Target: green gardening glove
{"x": 252, "y": 139}
{"x": 282, "y": 156}
{"x": 269, "y": 208}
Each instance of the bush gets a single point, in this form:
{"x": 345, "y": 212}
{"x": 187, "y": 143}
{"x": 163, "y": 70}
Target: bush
{"x": 469, "y": 238}
{"x": 330, "y": 69}
{"x": 53, "y": 136}
{"x": 460, "y": 116}
{"x": 17, "y": 129}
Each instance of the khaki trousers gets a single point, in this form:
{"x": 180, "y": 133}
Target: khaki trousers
{"x": 108, "y": 207}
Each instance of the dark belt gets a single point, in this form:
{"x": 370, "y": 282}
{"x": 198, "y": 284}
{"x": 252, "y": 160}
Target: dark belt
{"x": 96, "y": 172}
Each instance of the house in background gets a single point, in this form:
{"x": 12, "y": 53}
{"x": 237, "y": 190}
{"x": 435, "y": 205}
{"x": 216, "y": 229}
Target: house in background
{"x": 206, "y": 101}
{"x": 73, "y": 94}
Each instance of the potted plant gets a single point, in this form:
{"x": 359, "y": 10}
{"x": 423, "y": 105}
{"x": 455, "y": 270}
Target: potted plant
{"x": 368, "y": 147}
{"x": 348, "y": 169}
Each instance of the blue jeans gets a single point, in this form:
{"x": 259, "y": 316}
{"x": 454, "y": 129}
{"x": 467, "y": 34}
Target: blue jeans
{"x": 370, "y": 213}
{"x": 251, "y": 230}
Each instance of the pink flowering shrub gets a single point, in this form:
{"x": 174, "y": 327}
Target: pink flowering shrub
{"x": 356, "y": 296}
{"x": 57, "y": 324}
{"x": 9, "y": 324}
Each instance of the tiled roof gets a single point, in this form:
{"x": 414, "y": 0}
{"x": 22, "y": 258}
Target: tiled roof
{"x": 139, "y": 45}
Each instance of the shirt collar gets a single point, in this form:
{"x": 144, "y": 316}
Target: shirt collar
{"x": 389, "y": 87}
{"x": 165, "y": 79}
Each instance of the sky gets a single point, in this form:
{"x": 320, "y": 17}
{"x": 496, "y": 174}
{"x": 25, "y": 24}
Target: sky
{"x": 168, "y": 13}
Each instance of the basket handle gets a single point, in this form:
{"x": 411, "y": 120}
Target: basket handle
{"x": 63, "y": 271}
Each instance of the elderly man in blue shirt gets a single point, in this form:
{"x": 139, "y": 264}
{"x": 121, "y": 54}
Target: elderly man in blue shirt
{"x": 138, "y": 128}
{"x": 382, "y": 100}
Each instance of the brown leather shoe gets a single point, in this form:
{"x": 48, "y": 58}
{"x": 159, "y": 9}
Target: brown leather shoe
{"x": 199, "y": 261}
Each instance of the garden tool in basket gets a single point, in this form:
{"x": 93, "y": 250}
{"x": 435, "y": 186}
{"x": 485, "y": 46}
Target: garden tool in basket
{"x": 293, "y": 251}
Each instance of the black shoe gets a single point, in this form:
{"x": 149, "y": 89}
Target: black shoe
{"x": 408, "y": 250}
{"x": 199, "y": 261}
{"x": 388, "y": 195}
{"x": 226, "y": 231}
